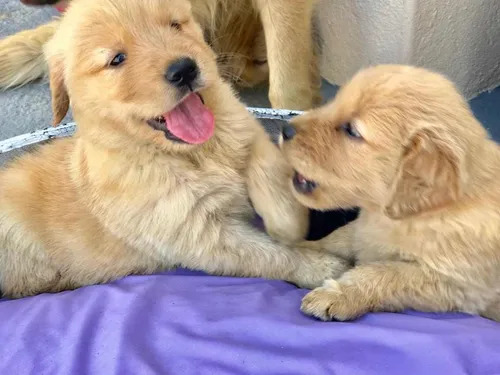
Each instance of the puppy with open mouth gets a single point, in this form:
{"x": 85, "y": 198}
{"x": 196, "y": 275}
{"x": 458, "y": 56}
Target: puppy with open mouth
{"x": 160, "y": 171}
{"x": 401, "y": 143}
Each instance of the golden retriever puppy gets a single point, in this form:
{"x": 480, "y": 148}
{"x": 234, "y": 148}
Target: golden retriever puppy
{"x": 156, "y": 175}
{"x": 401, "y": 143}
{"x": 238, "y": 31}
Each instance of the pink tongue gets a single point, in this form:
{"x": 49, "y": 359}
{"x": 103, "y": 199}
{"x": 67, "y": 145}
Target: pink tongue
{"x": 191, "y": 121}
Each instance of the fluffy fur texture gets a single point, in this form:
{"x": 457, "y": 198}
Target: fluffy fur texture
{"x": 237, "y": 30}
{"x": 119, "y": 197}
{"x": 401, "y": 143}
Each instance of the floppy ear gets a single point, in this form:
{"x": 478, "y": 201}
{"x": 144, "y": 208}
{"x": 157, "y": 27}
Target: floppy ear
{"x": 60, "y": 98}
{"x": 429, "y": 176}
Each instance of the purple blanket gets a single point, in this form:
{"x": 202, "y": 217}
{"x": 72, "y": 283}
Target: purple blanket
{"x": 188, "y": 323}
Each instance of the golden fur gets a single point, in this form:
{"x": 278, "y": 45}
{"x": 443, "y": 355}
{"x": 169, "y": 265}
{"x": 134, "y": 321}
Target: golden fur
{"x": 119, "y": 197}
{"x": 425, "y": 174}
{"x": 237, "y": 30}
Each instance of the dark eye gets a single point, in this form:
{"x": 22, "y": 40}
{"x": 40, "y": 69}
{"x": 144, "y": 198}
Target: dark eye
{"x": 118, "y": 59}
{"x": 175, "y": 25}
{"x": 350, "y": 131}
{"x": 259, "y": 62}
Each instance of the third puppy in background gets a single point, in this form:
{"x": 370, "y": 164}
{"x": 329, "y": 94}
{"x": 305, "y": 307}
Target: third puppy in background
{"x": 401, "y": 143}
{"x": 253, "y": 39}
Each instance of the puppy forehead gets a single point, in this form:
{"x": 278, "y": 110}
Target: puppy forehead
{"x": 113, "y": 24}
{"x": 395, "y": 99}
{"x": 116, "y": 16}
{"x": 159, "y": 11}
{"x": 403, "y": 87}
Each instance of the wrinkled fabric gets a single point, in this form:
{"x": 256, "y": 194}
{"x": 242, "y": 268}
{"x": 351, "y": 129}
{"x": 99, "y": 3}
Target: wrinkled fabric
{"x": 186, "y": 322}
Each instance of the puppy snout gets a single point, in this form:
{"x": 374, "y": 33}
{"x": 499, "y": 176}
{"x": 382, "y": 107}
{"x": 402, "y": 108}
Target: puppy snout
{"x": 288, "y": 132}
{"x": 182, "y": 72}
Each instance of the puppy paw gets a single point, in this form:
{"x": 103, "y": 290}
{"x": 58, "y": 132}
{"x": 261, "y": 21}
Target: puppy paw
{"x": 333, "y": 302}
{"x": 321, "y": 267}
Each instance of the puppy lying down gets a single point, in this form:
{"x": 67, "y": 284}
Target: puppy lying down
{"x": 160, "y": 171}
{"x": 402, "y": 144}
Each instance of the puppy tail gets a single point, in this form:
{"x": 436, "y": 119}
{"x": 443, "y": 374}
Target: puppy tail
{"x": 21, "y": 56}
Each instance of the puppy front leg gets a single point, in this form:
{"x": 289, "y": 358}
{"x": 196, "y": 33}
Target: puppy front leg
{"x": 268, "y": 182}
{"x": 388, "y": 286}
{"x": 316, "y": 79}
{"x": 243, "y": 251}
{"x": 287, "y": 29}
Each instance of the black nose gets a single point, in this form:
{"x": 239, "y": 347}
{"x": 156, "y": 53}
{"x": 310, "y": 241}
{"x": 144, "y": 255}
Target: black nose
{"x": 182, "y": 72}
{"x": 288, "y": 132}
